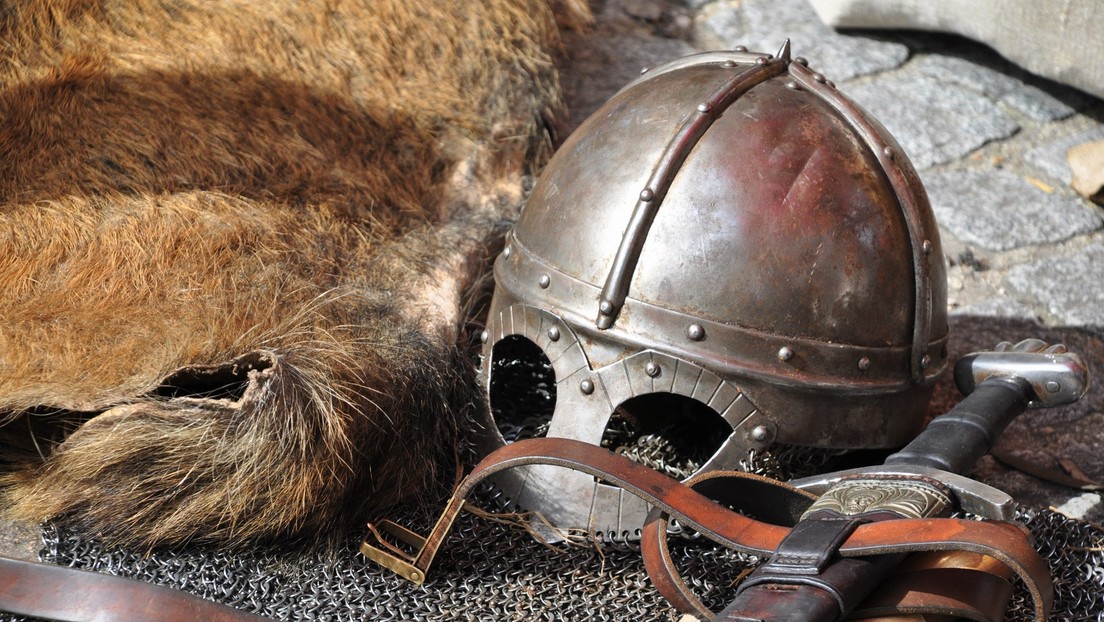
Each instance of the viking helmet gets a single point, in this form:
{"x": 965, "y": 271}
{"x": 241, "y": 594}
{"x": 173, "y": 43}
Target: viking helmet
{"x": 731, "y": 229}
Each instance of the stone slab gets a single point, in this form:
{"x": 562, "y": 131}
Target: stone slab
{"x": 935, "y": 122}
{"x": 762, "y": 25}
{"x": 1071, "y": 285}
{"x": 1050, "y": 157}
{"x": 998, "y": 87}
{"x": 1000, "y": 210}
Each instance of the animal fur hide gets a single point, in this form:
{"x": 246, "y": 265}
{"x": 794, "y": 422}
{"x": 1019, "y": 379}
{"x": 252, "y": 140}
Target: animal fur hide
{"x": 236, "y": 237}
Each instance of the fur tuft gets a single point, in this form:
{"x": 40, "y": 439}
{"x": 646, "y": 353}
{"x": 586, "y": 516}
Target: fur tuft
{"x": 238, "y": 238}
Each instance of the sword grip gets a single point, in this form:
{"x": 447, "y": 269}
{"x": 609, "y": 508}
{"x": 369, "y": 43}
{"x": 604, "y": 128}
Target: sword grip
{"x": 956, "y": 440}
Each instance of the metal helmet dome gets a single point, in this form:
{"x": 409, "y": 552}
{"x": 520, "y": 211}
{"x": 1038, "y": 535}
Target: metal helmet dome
{"x": 732, "y": 229}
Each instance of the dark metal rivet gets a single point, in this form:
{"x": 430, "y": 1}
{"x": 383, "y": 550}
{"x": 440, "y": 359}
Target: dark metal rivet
{"x": 819, "y": 77}
{"x": 925, "y": 362}
{"x": 760, "y": 434}
{"x": 889, "y": 152}
{"x": 647, "y": 195}
{"x": 740, "y": 48}
{"x": 695, "y": 332}
{"x": 544, "y": 281}
{"x": 484, "y": 336}
{"x": 864, "y": 363}
{"x": 704, "y": 107}
{"x": 606, "y": 307}
{"x": 586, "y": 386}
{"x": 927, "y": 246}
{"x": 1053, "y": 386}
{"x": 785, "y": 354}
{"x": 792, "y": 84}
{"x": 762, "y": 60}
{"x": 554, "y": 333}
{"x": 652, "y": 369}
{"x": 801, "y": 60}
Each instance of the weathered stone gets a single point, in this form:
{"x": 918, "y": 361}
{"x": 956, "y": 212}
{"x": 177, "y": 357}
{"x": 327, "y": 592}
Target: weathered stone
{"x": 997, "y": 308}
{"x": 999, "y": 87}
{"x": 762, "y": 25}
{"x": 935, "y": 122}
{"x": 999, "y": 210}
{"x": 1051, "y": 157}
{"x": 1069, "y": 285}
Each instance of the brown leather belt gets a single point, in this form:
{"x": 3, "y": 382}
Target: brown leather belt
{"x": 60, "y": 593}
{"x": 1005, "y": 542}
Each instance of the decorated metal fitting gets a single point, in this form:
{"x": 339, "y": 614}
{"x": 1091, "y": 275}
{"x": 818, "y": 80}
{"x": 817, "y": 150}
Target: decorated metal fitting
{"x": 652, "y": 369}
{"x": 586, "y": 387}
{"x": 544, "y": 281}
{"x": 785, "y": 353}
{"x": 695, "y": 332}
{"x": 554, "y": 333}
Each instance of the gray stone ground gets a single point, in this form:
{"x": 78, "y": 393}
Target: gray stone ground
{"x": 1025, "y": 252}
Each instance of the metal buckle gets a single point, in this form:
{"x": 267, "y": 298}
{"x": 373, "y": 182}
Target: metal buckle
{"x": 410, "y": 566}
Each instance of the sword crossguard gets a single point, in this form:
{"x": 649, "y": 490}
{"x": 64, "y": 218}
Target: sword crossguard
{"x": 1056, "y": 375}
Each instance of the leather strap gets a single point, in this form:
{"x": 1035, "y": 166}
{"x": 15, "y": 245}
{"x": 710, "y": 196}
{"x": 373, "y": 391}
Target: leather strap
{"x": 60, "y": 593}
{"x": 1005, "y": 542}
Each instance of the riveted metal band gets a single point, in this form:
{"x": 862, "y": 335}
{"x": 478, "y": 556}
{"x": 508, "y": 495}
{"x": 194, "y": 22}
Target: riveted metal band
{"x": 651, "y": 196}
{"x": 732, "y": 350}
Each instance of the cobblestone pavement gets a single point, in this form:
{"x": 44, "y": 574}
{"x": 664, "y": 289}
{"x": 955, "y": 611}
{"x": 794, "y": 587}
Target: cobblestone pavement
{"x": 1025, "y": 253}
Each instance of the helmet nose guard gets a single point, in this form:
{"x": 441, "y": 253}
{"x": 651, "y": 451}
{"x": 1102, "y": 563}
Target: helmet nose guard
{"x": 731, "y": 229}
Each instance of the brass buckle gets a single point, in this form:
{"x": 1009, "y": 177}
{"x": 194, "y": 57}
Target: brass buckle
{"x": 410, "y": 566}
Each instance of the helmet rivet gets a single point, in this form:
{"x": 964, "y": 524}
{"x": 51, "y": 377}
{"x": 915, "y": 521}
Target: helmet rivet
{"x": 760, "y": 434}
{"x": 792, "y": 84}
{"x": 587, "y": 386}
{"x": 740, "y": 48}
{"x": 925, "y": 362}
{"x": 554, "y": 333}
{"x": 695, "y": 332}
{"x": 729, "y": 63}
{"x": 801, "y": 60}
{"x": 484, "y": 336}
{"x": 543, "y": 281}
{"x": 647, "y": 195}
{"x": 1053, "y": 386}
{"x": 864, "y": 363}
{"x": 762, "y": 60}
{"x": 506, "y": 252}
{"x": 606, "y": 307}
{"x": 651, "y": 369}
{"x": 703, "y": 107}
{"x": 889, "y": 152}
{"x": 819, "y": 77}
{"x": 785, "y": 354}
{"x": 927, "y": 246}
{"x": 645, "y": 70}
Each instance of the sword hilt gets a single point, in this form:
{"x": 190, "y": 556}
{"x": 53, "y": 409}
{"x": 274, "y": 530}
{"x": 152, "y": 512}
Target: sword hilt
{"x": 999, "y": 385}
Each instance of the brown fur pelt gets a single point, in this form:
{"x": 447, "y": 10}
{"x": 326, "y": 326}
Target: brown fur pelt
{"x": 235, "y": 243}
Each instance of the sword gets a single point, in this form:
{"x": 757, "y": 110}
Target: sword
{"x": 805, "y": 580}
